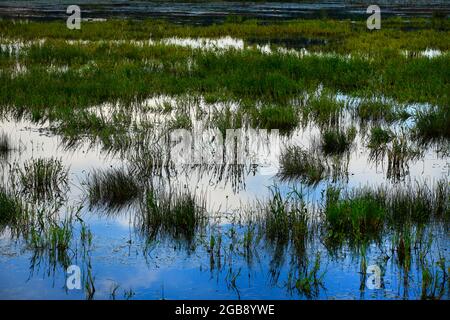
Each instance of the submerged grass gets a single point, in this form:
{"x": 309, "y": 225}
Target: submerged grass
{"x": 365, "y": 213}
{"x": 433, "y": 124}
{"x": 43, "y": 179}
{"x": 358, "y": 216}
{"x": 297, "y": 163}
{"x": 379, "y": 137}
{"x": 179, "y": 215}
{"x": 10, "y": 209}
{"x": 113, "y": 188}
{"x": 335, "y": 141}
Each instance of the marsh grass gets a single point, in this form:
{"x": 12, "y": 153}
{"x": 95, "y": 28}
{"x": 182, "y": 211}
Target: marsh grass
{"x": 324, "y": 110}
{"x": 419, "y": 204}
{"x": 399, "y": 153}
{"x": 379, "y": 138}
{"x": 283, "y": 118}
{"x": 284, "y": 220}
{"x": 357, "y": 217}
{"x": 433, "y": 124}
{"x": 113, "y": 188}
{"x": 337, "y": 141}
{"x": 296, "y": 163}
{"x": 179, "y": 215}
{"x": 365, "y": 214}
{"x": 375, "y": 110}
{"x": 12, "y": 209}
{"x": 43, "y": 179}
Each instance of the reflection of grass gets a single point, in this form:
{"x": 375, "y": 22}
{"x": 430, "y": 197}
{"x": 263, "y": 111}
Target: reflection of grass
{"x": 295, "y": 162}
{"x": 112, "y": 188}
{"x": 309, "y": 281}
{"x": 336, "y": 141}
{"x": 5, "y": 145}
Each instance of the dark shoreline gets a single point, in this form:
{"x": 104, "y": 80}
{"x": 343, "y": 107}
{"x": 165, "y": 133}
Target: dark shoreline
{"x": 211, "y": 12}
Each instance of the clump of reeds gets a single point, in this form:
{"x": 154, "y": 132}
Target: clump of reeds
{"x": 297, "y": 163}
{"x": 179, "y": 214}
{"x": 399, "y": 153}
{"x": 283, "y": 118}
{"x": 112, "y": 188}
{"x": 375, "y": 110}
{"x": 11, "y": 209}
{"x": 283, "y": 220}
{"x": 324, "y": 110}
{"x": 335, "y": 141}
{"x": 43, "y": 179}
{"x": 356, "y": 216}
{"x": 433, "y": 124}
{"x": 379, "y": 137}
{"x": 364, "y": 212}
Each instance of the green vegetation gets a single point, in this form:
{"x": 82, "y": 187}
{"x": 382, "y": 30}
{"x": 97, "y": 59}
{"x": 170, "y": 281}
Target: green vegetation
{"x": 97, "y": 91}
{"x": 358, "y": 216}
{"x": 344, "y": 34}
{"x": 283, "y": 220}
{"x": 283, "y": 118}
{"x": 335, "y": 141}
{"x": 112, "y": 188}
{"x": 379, "y": 137}
{"x": 113, "y": 67}
{"x": 43, "y": 179}
{"x": 324, "y": 110}
{"x": 177, "y": 215}
{"x": 375, "y": 110}
{"x": 366, "y": 213}
{"x": 433, "y": 124}
{"x": 297, "y": 163}
{"x": 10, "y": 209}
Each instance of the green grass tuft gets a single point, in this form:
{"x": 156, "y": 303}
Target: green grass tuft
{"x": 335, "y": 141}
{"x": 113, "y": 188}
{"x": 297, "y": 163}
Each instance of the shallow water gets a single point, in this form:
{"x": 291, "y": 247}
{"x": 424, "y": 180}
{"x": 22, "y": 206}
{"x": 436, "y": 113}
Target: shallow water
{"x": 120, "y": 254}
